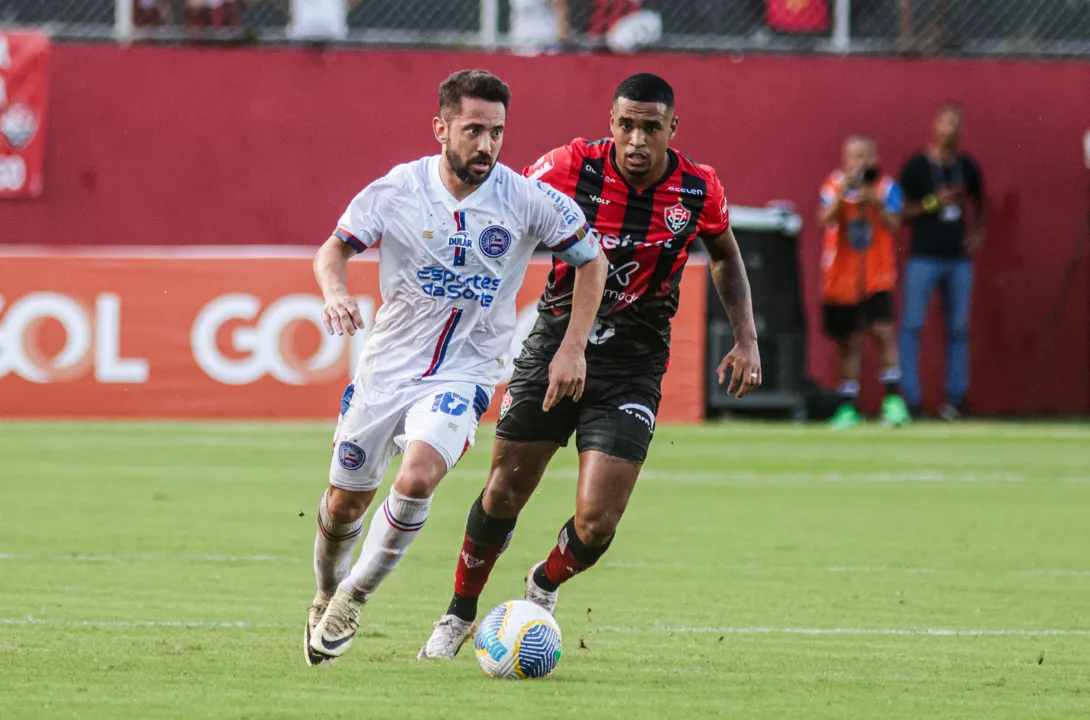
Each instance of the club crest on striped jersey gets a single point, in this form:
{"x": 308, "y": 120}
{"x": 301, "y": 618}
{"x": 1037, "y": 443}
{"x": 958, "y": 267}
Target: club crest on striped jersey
{"x": 350, "y": 455}
{"x": 677, "y": 217}
{"x": 494, "y": 241}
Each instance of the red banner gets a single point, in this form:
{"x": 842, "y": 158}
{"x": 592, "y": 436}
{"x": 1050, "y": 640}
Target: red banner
{"x": 798, "y": 15}
{"x": 24, "y": 95}
{"x": 222, "y": 333}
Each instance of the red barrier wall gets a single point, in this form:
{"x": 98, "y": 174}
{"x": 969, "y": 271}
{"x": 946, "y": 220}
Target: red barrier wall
{"x": 187, "y": 146}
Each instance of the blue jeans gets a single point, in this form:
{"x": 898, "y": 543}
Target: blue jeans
{"x": 955, "y": 277}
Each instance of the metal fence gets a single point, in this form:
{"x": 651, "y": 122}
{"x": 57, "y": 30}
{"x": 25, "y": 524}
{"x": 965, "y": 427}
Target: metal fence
{"x": 931, "y": 27}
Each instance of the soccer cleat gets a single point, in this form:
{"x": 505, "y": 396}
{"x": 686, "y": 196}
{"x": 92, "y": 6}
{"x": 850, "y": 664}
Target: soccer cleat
{"x": 894, "y": 411}
{"x": 539, "y": 596}
{"x": 450, "y": 634}
{"x": 333, "y": 634}
{"x": 846, "y": 417}
{"x": 314, "y": 615}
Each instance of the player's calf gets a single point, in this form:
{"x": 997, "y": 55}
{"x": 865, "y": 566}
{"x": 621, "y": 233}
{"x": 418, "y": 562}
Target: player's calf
{"x": 486, "y": 538}
{"x": 398, "y": 522}
{"x": 340, "y": 526}
{"x": 571, "y": 556}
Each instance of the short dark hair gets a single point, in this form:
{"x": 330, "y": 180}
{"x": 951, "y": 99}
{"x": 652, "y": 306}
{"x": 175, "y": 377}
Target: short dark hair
{"x": 479, "y": 84}
{"x": 645, "y": 87}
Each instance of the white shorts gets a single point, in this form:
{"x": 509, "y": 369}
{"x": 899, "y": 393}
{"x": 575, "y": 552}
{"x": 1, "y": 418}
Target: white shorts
{"x": 375, "y": 425}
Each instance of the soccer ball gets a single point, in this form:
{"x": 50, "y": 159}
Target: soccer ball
{"x": 518, "y": 640}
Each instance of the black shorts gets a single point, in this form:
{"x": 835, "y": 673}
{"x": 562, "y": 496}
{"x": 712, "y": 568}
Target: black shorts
{"x": 614, "y": 416}
{"x": 841, "y": 321}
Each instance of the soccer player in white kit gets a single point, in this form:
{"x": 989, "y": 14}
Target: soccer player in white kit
{"x": 457, "y": 231}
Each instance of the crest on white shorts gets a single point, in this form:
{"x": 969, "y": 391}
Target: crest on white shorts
{"x": 350, "y": 455}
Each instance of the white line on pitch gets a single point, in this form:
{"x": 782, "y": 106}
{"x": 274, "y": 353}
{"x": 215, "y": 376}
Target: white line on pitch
{"x": 125, "y": 557}
{"x": 140, "y": 623}
{"x": 915, "y": 476}
{"x": 898, "y": 632}
{"x": 941, "y": 632}
{"x": 633, "y": 565}
{"x": 882, "y": 569}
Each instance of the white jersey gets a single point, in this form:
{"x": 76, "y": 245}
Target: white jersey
{"x": 449, "y": 271}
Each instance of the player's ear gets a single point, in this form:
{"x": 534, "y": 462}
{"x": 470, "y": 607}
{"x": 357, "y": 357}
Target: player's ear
{"x": 673, "y": 127}
{"x": 442, "y": 132}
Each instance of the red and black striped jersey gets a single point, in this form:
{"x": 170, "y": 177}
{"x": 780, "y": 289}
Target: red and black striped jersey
{"x": 646, "y": 236}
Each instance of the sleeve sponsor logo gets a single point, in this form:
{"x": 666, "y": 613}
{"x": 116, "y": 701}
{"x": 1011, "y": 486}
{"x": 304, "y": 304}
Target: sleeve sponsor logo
{"x": 564, "y": 205}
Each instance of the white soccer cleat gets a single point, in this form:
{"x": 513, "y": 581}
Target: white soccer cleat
{"x": 450, "y": 634}
{"x": 314, "y": 615}
{"x": 539, "y": 596}
{"x": 334, "y": 632}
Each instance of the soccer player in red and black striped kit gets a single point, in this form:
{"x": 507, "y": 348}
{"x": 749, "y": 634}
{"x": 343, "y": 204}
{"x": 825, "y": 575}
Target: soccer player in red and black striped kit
{"x": 645, "y": 203}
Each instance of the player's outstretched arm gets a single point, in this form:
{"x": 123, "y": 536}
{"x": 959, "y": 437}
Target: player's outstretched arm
{"x": 732, "y": 285}
{"x": 341, "y": 313}
{"x": 568, "y": 370}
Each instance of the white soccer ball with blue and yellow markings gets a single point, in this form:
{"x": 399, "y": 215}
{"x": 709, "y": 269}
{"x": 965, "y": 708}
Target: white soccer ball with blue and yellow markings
{"x": 518, "y": 640}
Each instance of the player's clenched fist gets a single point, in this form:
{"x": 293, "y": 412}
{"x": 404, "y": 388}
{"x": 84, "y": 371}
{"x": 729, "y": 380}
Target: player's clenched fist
{"x": 567, "y": 376}
{"x": 341, "y": 314}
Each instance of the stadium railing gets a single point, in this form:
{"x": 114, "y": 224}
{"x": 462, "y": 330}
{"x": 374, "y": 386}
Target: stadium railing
{"x": 943, "y": 27}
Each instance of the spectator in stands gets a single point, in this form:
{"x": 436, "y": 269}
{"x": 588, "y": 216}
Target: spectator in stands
{"x": 624, "y": 26}
{"x": 861, "y": 212}
{"x": 539, "y": 26}
{"x": 933, "y": 40}
{"x": 940, "y": 185}
{"x": 213, "y": 13}
{"x": 797, "y": 16}
{"x": 317, "y": 20}
{"x": 152, "y": 13}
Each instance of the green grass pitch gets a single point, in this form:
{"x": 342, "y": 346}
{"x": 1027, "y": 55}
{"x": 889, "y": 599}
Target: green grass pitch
{"x": 763, "y": 571}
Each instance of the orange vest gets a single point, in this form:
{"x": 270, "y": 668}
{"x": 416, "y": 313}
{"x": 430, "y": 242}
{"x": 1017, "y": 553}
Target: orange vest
{"x": 851, "y": 275}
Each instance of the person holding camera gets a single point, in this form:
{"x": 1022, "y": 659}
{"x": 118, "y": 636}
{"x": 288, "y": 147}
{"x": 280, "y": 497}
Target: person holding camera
{"x": 860, "y": 211}
{"x": 940, "y": 186}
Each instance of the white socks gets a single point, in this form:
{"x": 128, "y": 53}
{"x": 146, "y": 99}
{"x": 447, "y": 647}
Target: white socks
{"x": 394, "y": 527}
{"x": 333, "y": 546}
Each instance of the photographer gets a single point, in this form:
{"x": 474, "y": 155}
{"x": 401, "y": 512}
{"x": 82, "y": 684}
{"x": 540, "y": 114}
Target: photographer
{"x": 860, "y": 211}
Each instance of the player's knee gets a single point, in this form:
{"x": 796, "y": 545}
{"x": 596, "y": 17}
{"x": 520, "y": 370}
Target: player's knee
{"x": 597, "y": 527}
{"x": 347, "y": 506}
{"x": 502, "y": 498}
{"x": 421, "y": 471}
{"x": 415, "y": 483}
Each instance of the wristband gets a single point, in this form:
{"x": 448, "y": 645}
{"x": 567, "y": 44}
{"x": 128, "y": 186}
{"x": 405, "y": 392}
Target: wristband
{"x": 931, "y": 203}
